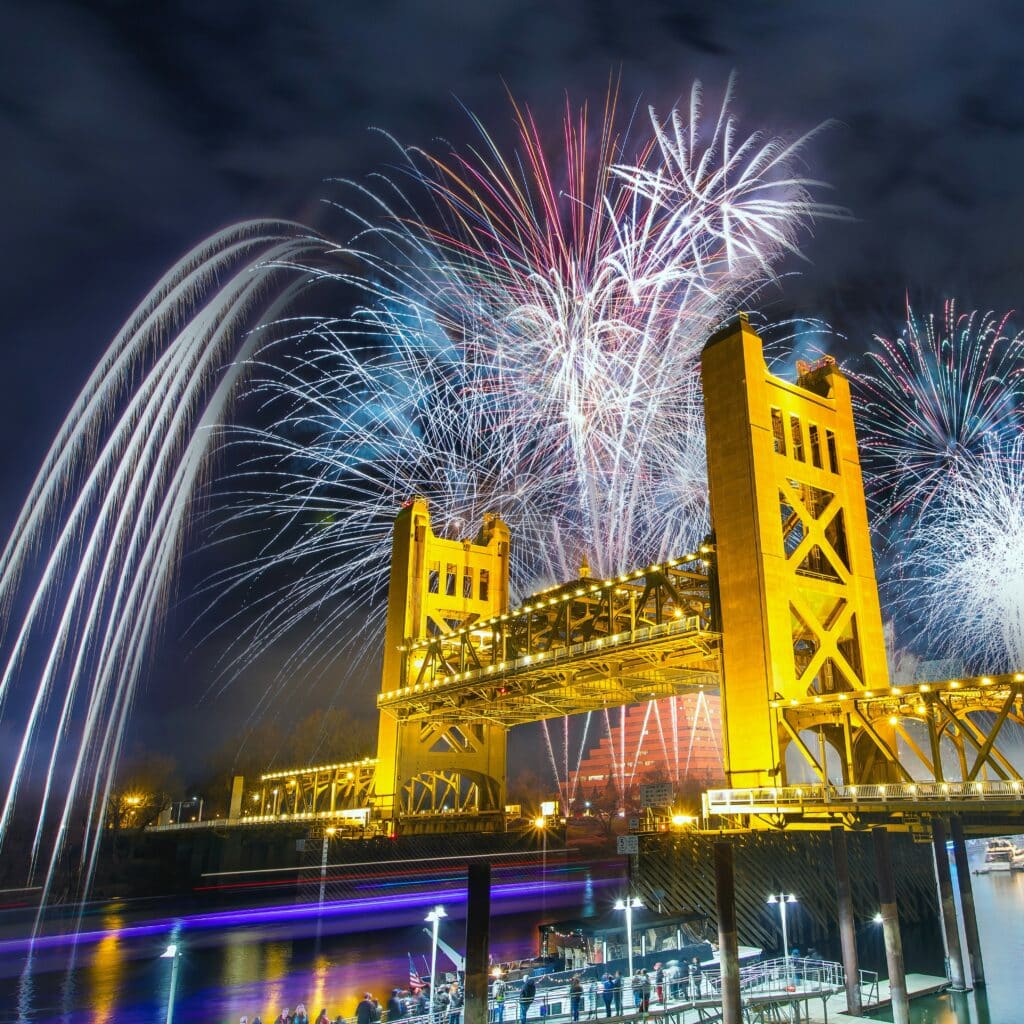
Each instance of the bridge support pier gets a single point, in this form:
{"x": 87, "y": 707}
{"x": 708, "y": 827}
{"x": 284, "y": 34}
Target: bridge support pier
{"x": 728, "y": 949}
{"x": 963, "y": 881}
{"x": 947, "y": 906}
{"x": 847, "y": 926}
{"x": 891, "y": 927}
{"x": 478, "y": 935}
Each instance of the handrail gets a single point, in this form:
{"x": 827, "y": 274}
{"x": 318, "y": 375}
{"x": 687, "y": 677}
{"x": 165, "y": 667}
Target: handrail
{"x": 783, "y": 798}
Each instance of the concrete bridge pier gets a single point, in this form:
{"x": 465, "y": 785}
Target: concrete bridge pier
{"x": 963, "y": 881}
{"x": 947, "y": 906}
{"x": 728, "y": 950}
{"x": 891, "y": 927}
{"x": 478, "y": 941}
{"x": 847, "y": 926}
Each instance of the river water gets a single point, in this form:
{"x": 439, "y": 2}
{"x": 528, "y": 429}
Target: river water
{"x": 258, "y": 961}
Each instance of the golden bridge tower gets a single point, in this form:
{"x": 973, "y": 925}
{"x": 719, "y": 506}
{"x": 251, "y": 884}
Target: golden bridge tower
{"x": 799, "y": 601}
{"x": 428, "y": 767}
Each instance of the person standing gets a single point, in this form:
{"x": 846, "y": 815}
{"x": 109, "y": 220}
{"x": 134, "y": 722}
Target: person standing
{"x": 695, "y": 978}
{"x": 645, "y": 990}
{"x": 396, "y": 1011}
{"x": 526, "y": 997}
{"x": 659, "y": 983}
{"x": 364, "y": 1009}
{"x": 498, "y": 995}
{"x": 617, "y": 992}
{"x": 575, "y": 998}
{"x": 607, "y": 993}
{"x": 636, "y": 983}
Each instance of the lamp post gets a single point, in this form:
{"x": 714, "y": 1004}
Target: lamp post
{"x": 628, "y": 905}
{"x": 434, "y": 917}
{"x": 173, "y": 954}
{"x": 782, "y": 899}
{"x": 328, "y": 832}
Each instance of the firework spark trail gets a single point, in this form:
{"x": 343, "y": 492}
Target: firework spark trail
{"x": 931, "y": 399}
{"x": 962, "y": 574}
{"x": 117, "y": 484}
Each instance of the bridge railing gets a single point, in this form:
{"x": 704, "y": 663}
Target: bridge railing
{"x": 794, "y": 798}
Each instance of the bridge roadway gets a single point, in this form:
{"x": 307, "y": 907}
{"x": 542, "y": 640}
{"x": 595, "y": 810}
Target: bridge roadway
{"x": 582, "y": 646}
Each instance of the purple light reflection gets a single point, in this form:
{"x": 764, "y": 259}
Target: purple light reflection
{"x": 291, "y": 912}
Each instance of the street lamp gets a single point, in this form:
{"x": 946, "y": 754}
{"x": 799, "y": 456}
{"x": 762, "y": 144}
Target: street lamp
{"x": 173, "y": 954}
{"x": 434, "y": 917}
{"x": 328, "y": 832}
{"x": 628, "y": 905}
{"x": 782, "y": 899}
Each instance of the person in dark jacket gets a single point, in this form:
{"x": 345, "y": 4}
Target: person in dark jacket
{"x": 617, "y": 992}
{"x": 396, "y": 1011}
{"x": 364, "y": 1009}
{"x": 607, "y": 994}
{"x": 526, "y": 996}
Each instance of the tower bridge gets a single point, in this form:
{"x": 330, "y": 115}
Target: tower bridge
{"x": 778, "y": 610}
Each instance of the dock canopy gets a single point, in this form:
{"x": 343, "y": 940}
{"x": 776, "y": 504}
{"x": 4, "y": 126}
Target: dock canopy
{"x": 602, "y": 938}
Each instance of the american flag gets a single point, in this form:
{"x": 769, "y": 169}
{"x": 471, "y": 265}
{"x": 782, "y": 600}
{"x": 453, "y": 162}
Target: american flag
{"x": 415, "y": 981}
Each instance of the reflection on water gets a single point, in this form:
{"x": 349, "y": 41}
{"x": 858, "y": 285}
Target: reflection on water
{"x": 258, "y": 968}
{"x": 262, "y": 964}
{"x": 104, "y": 975}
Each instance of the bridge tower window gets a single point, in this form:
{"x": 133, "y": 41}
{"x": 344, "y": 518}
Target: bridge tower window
{"x": 798, "y": 438}
{"x": 485, "y": 584}
{"x": 778, "y": 432}
{"x": 812, "y": 433}
{"x": 467, "y": 582}
{"x": 833, "y": 457}
{"x": 434, "y": 577}
{"x": 450, "y": 575}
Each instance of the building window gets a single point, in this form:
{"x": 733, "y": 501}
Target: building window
{"x": 485, "y": 584}
{"x": 449, "y": 580}
{"x": 467, "y": 582}
{"x": 434, "y": 577}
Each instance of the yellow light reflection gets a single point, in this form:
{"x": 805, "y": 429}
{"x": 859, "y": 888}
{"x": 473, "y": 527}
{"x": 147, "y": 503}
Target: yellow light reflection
{"x": 103, "y": 977}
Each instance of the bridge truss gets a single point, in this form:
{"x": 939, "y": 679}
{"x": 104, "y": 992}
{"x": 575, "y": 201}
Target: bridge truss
{"x": 579, "y": 647}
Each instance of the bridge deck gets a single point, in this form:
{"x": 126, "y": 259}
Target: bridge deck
{"x": 623, "y": 668}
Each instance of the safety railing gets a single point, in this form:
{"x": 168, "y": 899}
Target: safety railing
{"x": 793, "y": 799}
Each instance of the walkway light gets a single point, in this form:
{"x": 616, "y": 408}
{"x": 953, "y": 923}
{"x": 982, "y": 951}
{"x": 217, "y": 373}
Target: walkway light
{"x": 782, "y": 899}
{"x": 628, "y": 905}
{"x": 434, "y": 918}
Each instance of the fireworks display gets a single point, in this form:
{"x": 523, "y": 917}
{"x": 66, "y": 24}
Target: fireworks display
{"x": 529, "y": 349}
{"x": 962, "y": 565}
{"x": 933, "y": 399}
{"x": 526, "y": 344}
{"x": 941, "y": 413}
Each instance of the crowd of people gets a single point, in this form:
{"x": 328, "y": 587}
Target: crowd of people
{"x": 402, "y": 1004}
{"x": 659, "y": 986}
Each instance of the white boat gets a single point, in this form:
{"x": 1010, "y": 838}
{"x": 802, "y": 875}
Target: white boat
{"x": 1000, "y": 855}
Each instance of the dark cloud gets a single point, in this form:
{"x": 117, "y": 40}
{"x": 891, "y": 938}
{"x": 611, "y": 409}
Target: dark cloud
{"x": 129, "y": 131}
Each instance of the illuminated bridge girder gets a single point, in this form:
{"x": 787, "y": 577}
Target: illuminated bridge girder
{"x": 969, "y": 714}
{"x": 582, "y": 647}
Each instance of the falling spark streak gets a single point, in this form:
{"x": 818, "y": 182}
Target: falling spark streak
{"x": 118, "y": 481}
{"x": 529, "y": 348}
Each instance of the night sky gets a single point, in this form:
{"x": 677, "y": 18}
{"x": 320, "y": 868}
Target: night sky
{"x": 130, "y": 131}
